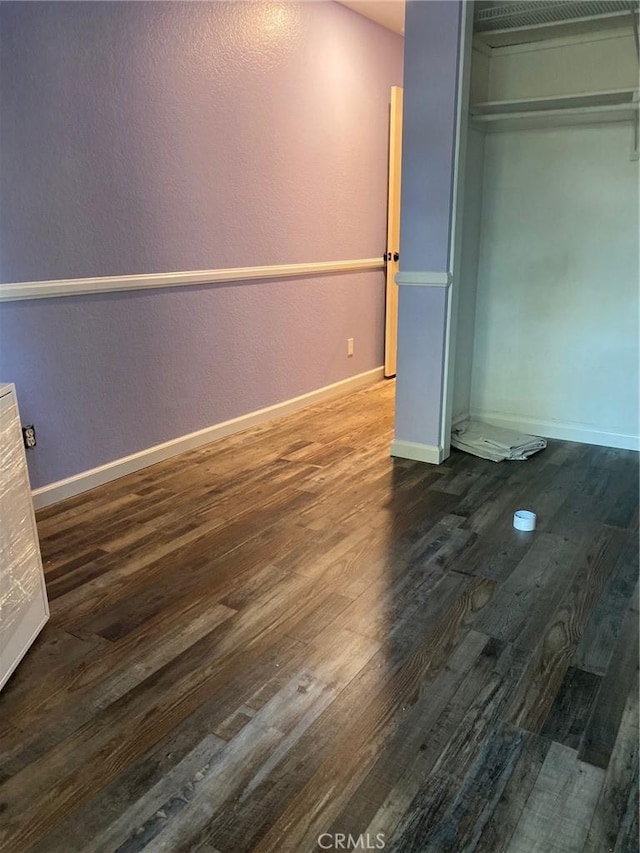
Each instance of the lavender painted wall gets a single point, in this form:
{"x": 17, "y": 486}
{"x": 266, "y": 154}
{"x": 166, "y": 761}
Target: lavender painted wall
{"x": 152, "y": 137}
{"x": 422, "y": 316}
{"x": 429, "y": 125}
{"x": 122, "y": 372}
{"x": 430, "y": 89}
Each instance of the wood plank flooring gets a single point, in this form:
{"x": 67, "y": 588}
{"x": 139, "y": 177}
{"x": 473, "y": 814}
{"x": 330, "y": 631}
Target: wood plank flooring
{"x": 287, "y": 638}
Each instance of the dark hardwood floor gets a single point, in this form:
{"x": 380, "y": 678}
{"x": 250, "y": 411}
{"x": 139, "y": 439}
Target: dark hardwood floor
{"x": 287, "y": 637}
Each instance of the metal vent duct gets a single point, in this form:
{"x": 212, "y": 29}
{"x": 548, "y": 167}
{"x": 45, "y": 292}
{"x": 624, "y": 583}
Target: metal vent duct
{"x": 501, "y": 16}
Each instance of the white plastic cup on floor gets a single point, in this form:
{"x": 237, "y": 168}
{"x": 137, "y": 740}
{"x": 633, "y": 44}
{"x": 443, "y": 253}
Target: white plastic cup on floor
{"x": 523, "y": 519}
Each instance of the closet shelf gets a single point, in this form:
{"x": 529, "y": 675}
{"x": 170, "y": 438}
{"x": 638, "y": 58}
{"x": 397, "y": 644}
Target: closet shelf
{"x": 502, "y": 24}
{"x": 560, "y": 110}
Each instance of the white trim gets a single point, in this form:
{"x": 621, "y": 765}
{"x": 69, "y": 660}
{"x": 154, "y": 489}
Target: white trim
{"x": 558, "y": 430}
{"x": 85, "y": 480}
{"x": 418, "y": 452}
{"x": 107, "y": 284}
{"x": 423, "y": 279}
{"x": 457, "y": 217}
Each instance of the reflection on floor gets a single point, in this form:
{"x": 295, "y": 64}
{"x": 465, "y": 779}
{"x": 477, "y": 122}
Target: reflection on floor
{"x": 286, "y": 638}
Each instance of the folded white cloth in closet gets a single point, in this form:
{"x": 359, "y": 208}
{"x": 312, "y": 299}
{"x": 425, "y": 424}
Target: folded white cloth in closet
{"x": 491, "y": 442}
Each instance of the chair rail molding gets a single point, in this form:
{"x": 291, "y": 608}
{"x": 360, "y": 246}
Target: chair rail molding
{"x": 13, "y": 292}
{"x": 423, "y": 278}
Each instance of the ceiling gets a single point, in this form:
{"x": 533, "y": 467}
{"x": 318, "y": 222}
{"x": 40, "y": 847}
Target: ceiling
{"x": 389, "y": 13}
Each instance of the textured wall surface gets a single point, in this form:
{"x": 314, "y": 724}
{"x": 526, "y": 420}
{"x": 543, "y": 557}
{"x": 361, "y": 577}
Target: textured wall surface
{"x": 422, "y": 316}
{"x": 429, "y": 125}
{"x": 430, "y": 83}
{"x": 153, "y": 137}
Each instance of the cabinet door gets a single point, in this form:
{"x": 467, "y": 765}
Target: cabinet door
{"x": 23, "y": 601}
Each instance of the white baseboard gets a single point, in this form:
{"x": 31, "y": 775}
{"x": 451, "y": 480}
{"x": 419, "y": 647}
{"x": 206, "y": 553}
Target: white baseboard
{"x": 86, "y": 480}
{"x": 562, "y": 431}
{"x": 418, "y": 452}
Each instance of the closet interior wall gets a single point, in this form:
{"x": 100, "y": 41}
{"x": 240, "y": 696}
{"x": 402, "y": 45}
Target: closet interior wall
{"x": 547, "y": 338}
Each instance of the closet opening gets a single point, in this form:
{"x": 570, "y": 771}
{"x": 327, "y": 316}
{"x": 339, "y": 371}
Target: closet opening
{"x": 547, "y": 330}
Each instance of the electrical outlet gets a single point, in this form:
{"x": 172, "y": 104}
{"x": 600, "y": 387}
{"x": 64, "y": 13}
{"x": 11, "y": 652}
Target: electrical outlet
{"x": 349, "y": 347}
{"x": 29, "y": 436}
